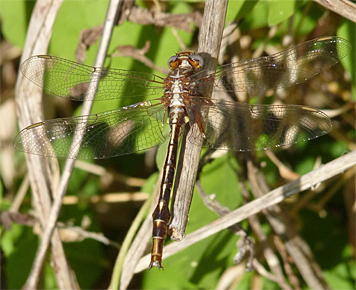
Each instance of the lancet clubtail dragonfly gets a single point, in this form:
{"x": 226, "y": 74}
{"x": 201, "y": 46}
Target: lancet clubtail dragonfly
{"x": 140, "y": 126}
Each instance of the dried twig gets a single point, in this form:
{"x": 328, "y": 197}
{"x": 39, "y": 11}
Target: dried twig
{"x": 87, "y": 38}
{"x": 51, "y": 218}
{"x": 344, "y": 8}
{"x": 270, "y": 256}
{"x": 283, "y": 227}
{"x": 28, "y": 98}
{"x": 139, "y": 244}
{"x": 245, "y": 244}
{"x": 210, "y": 38}
{"x": 305, "y": 182}
{"x": 139, "y": 54}
{"x": 209, "y": 45}
{"x": 104, "y": 173}
{"x": 180, "y": 21}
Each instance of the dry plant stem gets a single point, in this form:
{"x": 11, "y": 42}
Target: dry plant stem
{"x": 114, "y": 284}
{"x": 140, "y": 243}
{"x": 180, "y": 21}
{"x": 259, "y": 187}
{"x": 344, "y": 8}
{"x": 284, "y": 171}
{"x": 277, "y": 195}
{"x": 101, "y": 171}
{"x": 270, "y": 256}
{"x": 231, "y": 278}
{"x": 333, "y": 189}
{"x": 77, "y": 234}
{"x": 29, "y": 111}
{"x": 287, "y": 267}
{"x": 244, "y": 245}
{"x": 263, "y": 272}
{"x": 282, "y": 226}
{"x": 109, "y": 198}
{"x": 139, "y": 54}
{"x": 52, "y": 217}
{"x": 16, "y": 203}
{"x": 209, "y": 45}
{"x": 211, "y": 37}
{"x": 306, "y": 200}
{"x": 215, "y": 206}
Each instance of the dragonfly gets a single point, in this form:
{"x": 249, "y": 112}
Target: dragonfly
{"x": 181, "y": 102}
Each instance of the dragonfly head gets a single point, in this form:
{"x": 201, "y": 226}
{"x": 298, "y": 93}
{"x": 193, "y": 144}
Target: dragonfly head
{"x": 185, "y": 58}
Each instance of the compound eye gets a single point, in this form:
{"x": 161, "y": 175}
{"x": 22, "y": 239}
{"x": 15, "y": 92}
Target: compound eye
{"x": 172, "y": 62}
{"x": 197, "y": 58}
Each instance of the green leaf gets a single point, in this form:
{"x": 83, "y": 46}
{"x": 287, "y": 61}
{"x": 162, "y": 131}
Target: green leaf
{"x": 236, "y": 10}
{"x": 86, "y": 259}
{"x": 347, "y": 30}
{"x": 19, "y": 245}
{"x": 150, "y": 184}
{"x": 280, "y": 10}
{"x": 72, "y": 18}
{"x": 305, "y": 18}
{"x": 14, "y": 17}
{"x": 85, "y": 256}
{"x": 198, "y": 266}
{"x": 256, "y": 19}
{"x": 342, "y": 276}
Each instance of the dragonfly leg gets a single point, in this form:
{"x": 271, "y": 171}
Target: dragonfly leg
{"x": 197, "y": 117}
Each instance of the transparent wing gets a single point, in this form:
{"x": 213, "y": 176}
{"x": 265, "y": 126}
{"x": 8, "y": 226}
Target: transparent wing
{"x": 71, "y": 80}
{"x": 279, "y": 70}
{"x": 112, "y": 133}
{"x": 244, "y": 127}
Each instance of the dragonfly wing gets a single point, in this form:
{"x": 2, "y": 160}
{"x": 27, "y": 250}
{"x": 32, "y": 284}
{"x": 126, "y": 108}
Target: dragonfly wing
{"x": 108, "y": 134}
{"x": 71, "y": 80}
{"x": 244, "y": 127}
{"x": 279, "y": 70}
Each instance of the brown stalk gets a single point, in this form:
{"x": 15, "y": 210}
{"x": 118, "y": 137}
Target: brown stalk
{"x": 344, "y": 8}
{"x": 333, "y": 168}
{"x": 209, "y": 44}
{"x": 38, "y": 167}
{"x": 29, "y": 110}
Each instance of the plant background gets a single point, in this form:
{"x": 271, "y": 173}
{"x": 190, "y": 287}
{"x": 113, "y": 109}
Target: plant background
{"x": 328, "y": 231}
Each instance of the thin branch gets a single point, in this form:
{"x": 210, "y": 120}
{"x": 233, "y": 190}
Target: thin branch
{"x": 210, "y": 38}
{"x": 277, "y": 195}
{"x": 108, "y": 198}
{"x": 209, "y": 45}
{"x": 104, "y": 173}
{"x": 270, "y": 256}
{"x": 126, "y": 246}
{"x": 139, "y": 244}
{"x": 139, "y": 54}
{"x": 78, "y": 234}
{"x": 344, "y": 8}
{"x": 17, "y": 201}
{"x": 282, "y": 225}
{"x": 57, "y": 203}
{"x": 29, "y": 110}
{"x": 180, "y": 21}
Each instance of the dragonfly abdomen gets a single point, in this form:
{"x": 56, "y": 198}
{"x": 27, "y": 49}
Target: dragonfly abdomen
{"x": 176, "y": 91}
{"x": 161, "y": 215}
